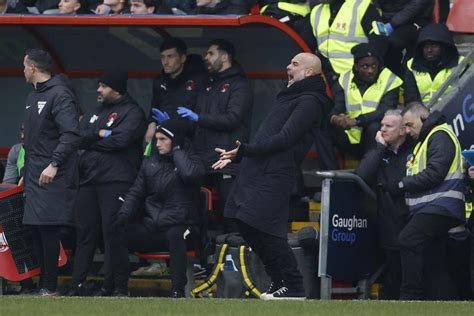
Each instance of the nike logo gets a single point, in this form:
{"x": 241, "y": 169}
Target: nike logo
{"x": 28, "y": 106}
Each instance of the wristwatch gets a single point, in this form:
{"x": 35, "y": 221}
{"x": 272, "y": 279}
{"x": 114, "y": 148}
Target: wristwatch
{"x": 54, "y": 164}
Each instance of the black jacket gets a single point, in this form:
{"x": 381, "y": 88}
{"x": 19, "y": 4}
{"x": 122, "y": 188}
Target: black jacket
{"x": 440, "y": 154}
{"x": 224, "y": 110}
{"x": 240, "y": 7}
{"x": 41, "y": 5}
{"x": 449, "y": 58}
{"x": 117, "y": 157}
{"x": 388, "y": 101}
{"x": 261, "y": 192}
{"x": 169, "y": 187}
{"x": 51, "y": 134}
{"x": 170, "y": 93}
{"x": 402, "y": 12}
{"x": 383, "y": 165}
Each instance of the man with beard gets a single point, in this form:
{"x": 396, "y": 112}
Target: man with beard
{"x": 222, "y": 114}
{"x": 361, "y": 98}
{"x": 259, "y": 200}
{"x": 434, "y": 60}
{"x": 112, "y": 142}
{"x": 51, "y": 139}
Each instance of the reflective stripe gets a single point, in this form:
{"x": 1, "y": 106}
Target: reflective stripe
{"x": 370, "y": 104}
{"x": 317, "y": 17}
{"x": 345, "y": 38}
{"x": 340, "y": 55}
{"x": 345, "y": 84}
{"x": 431, "y": 197}
{"x": 355, "y": 18}
{"x": 455, "y": 176}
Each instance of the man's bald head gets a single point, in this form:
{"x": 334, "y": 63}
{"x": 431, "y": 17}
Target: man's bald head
{"x": 302, "y": 66}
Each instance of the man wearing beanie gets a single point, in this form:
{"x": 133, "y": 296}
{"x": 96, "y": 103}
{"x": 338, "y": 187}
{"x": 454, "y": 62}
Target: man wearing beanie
{"x": 361, "y": 98}
{"x": 169, "y": 185}
{"x": 112, "y": 147}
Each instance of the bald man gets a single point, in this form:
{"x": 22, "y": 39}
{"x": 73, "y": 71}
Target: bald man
{"x": 259, "y": 200}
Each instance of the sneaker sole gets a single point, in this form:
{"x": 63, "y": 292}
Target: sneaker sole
{"x": 271, "y": 298}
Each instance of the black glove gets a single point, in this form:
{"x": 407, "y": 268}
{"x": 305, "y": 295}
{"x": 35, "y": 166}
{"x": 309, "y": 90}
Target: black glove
{"x": 393, "y": 188}
{"x": 119, "y": 222}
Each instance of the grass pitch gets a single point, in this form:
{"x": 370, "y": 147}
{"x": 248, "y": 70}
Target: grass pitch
{"x": 32, "y": 306}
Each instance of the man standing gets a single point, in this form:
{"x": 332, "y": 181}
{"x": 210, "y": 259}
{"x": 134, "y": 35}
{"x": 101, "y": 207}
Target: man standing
{"x": 51, "y": 139}
{"x": 259, "y": 200}
{"x": 435, "y": 58}
{"x": 383, "y": 164}
{"x": 361, "y": 98}
{"x": 222, "y": 115}
{"x": 112, "y": 141}
{"x": 177, "y": 86}
{"x": 434, "y": 192}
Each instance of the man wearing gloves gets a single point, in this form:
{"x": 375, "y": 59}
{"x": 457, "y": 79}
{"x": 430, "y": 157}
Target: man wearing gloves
{"x": 169, "y": 185}
{"x": 51, "y": 139}
{"x": 259, "y": 200}
{"x": 112, "y": 142}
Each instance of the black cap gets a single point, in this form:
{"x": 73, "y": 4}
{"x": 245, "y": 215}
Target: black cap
{"x": 116, "y": 79}
{"x": 176, "y": 128}
{"x": 365, "y": 50}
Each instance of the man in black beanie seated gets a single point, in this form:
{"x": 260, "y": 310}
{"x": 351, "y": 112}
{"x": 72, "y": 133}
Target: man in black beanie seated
{"x": 361, "y": 98}
{"x": 168, "y": 185}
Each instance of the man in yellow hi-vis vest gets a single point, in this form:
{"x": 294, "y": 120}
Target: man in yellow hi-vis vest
{"x": 339, "y": 25}
{"x": 434, "y": 60}
{"x": 434, "y": 193}
{"x": 361, "y": 98}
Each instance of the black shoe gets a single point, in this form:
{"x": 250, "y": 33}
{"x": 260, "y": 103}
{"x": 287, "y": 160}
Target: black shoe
{"x": 285, "y": 293}
{"x": 274, "y": 286}
{"x": 103, "y": 292}
{"x": 78, "y": 290}
{"x": 177, "y": 294}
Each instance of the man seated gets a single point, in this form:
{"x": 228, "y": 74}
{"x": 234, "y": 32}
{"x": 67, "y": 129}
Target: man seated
{"x": 434, "y": 60}
{"x": 169, "y": 185}
{"x": 361, "y": 97}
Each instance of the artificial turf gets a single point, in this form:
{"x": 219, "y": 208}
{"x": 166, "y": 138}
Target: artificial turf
{"x": 32, "y": 306}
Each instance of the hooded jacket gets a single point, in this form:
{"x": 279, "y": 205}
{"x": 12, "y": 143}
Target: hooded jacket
{"x": 117, "y": 157}
{"x": 401, "y": 12}
{"x": 169, "y": 188}
{"x": 449, "y": 58}
{"x": 224, "y": 108}
{"x": 51, "y": 135}
{"x": 261, "y": 192}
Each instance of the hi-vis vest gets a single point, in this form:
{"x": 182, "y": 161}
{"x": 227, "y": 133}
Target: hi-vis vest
{"x": 20, "y": 161}
{"x": 336, "y": 40}
{"x": 293, "y": 8}
{"x": 357, "y": 104}
{"x": 426, "y": 86}
{"x": 450, "y": 193}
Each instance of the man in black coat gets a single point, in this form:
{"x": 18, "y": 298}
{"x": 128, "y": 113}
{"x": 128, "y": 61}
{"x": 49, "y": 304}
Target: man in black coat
{"x": 222, "y": 114}
{"x": 51, "y": 140}
{"x": 381, "y": 165}
{"x": 177, "y": 86}
{"x": 112, "y": 149}
{"x": 169, "y": 185}
{"x": 259, "y": 200}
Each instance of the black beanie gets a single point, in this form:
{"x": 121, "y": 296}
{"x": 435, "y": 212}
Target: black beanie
{"x": 116, "y": 79}
{"x": 365, "y": 50}
{"x": 176, "y": 128}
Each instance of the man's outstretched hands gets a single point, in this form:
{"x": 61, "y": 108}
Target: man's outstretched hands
{"x": 225, "y": 156}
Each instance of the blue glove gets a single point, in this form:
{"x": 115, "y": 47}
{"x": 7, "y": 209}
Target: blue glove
{"x": 107, "y": 133}
{"x": 389, "y": 28}
{"x": 159, "y": 116}
{"x": 187, "y": 113}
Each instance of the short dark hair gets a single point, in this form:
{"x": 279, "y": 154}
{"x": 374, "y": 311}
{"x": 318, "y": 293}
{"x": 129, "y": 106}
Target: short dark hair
{"x": 41, "y": 59}
{"x": 225, "y": 46}
{"x": 417, "y": 109}
{"x": 152, "y": 3}
{"x": 174, "y": 42}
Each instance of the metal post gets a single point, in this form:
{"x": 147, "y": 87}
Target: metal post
{"x": 326, "y": 282}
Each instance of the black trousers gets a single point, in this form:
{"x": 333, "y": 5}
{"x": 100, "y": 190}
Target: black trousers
{"x": 402, "y": 38}
{"x": 95, "y": 210}
{"x": 275, "y": 253}
{"x": 367, "y": 141}
{"x": 392, "y": 277}
{"x": 46, "y": 243}
{"x": 223, "y": 184}
{"x": 421, "y": 230}
{"x": 139, "y": 238}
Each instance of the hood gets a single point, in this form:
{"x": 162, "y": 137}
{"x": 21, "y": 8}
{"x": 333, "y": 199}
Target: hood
{"x": 235, "y": 70}
{"x": 437, "y": 33}
{"x": 436, "y": 118}
{"x": 57, "y": 80}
